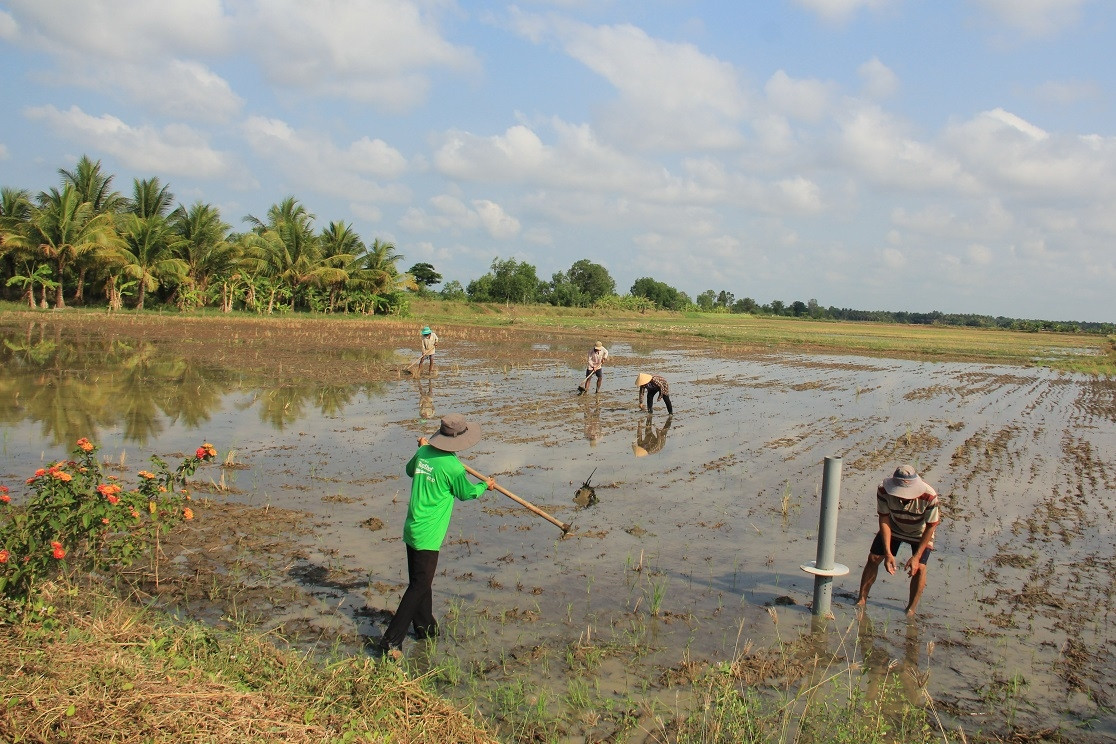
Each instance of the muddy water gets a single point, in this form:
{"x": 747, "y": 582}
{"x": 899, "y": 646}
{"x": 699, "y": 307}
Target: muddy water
{"x": 693, "y": 551}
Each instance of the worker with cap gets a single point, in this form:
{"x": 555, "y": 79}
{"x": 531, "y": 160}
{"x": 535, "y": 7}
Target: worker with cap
{"x": 437, "y": 478}
{"x": 594, "y": 366}
{"x": 653, "y": 385}
{"x": 429, "y": 346}
{"x": 909, "y": 513}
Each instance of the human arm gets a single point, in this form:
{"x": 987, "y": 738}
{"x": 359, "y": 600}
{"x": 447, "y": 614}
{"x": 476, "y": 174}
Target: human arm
{"x": 885, "y": 537}
{"x": 923, "y": 544}
{"x": 642, "y": 390}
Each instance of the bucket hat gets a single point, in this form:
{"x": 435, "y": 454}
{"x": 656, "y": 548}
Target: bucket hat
{"x": 642, "y": 379}
{"x": 598, "y": 345}
{"x": 455, "y": 434}
{"x": 905, "y": 483}
{"x": 426, "y": 330}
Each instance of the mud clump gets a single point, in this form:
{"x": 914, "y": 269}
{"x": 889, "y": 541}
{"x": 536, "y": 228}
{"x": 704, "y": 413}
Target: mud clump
{"x": 586, "y": 495}
{"x": 373, "y": 523}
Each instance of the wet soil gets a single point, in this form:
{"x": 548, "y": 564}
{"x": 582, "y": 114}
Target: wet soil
{"x": 690, "y": 557}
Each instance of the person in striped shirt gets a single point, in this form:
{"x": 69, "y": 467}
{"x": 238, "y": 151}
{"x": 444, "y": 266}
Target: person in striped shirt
{"x": 653, "y": 385}
{"x": 909, "y": 513}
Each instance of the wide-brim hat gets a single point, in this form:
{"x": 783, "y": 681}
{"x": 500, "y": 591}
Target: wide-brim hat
{"x": 598, "y": 345}
{"x": 426, "y": 331}
{"x": 642, "y": 379}
{"x": 905, "y": 483}
{"x": 455, "y": 434}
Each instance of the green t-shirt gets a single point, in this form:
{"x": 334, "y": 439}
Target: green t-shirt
{"x": 437, "y": 477}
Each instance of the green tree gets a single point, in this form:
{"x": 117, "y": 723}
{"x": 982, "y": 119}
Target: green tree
{"x": 149, "y": 254}
{"x": 425, "y": 274}
{"x": 453, "y": 290}
{"x": 288, "y": 250}
{"x": 705, "y": 300}
{"x": 93, "y": 186}
{"x": 65, "y": 228}
{"x": 342, "y": 249}
{"x": 150, "y": 198}
{"x": 663, "y": 295}
{"x": 205, "y": 248}
{"x": 592, "y": 280}
{"x": 513, "y": 281}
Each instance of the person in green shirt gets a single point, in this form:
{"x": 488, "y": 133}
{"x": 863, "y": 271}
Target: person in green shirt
{"x": 437, "y": 478}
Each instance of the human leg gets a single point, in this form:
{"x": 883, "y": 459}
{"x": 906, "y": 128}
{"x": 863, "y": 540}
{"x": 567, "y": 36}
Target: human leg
{"x": 670, "y": 409}
{"x": 600, "y": 379}
{"x": 416, "y": 605}
{"x": 918, "y": 583}
{"x": 871, "y": 569}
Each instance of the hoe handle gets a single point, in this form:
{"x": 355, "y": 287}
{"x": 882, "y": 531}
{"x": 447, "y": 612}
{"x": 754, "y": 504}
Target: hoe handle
{"x": 564, "y": 527}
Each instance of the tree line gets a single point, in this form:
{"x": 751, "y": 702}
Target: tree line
{"x": 89, "y": 243}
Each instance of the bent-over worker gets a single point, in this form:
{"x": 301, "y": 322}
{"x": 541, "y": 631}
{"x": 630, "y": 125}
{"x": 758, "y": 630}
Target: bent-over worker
{"x": 908, "y": 512}
{"x": 653, "y": 385}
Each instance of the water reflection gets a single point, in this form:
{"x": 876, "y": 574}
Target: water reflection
{"x": 593, "y": 420}
{"x": 881, "y": 670}
{"x": 650, "y": 438}
{"x": 426, "y": 399}
{"x": 79, "y": 386}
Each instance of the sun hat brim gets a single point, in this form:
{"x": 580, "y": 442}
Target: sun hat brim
{"x": 470, "y": 434}
{"x": 907, "y": 488}
{"x": 642, "y": 379}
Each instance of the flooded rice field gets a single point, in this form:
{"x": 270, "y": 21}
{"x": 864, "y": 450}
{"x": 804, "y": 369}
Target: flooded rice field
{"x": 688, "y": 552}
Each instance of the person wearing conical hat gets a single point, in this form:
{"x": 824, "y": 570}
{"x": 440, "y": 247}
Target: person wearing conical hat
{"x": 909, "y": 513}
{"x": 429, "y": 346}
{"x": 437, "y": 478}
{"x": 653, "y": 385}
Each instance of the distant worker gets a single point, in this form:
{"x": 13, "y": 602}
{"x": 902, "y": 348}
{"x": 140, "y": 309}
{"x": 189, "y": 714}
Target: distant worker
{"x": 429, "y": 346}
{"x": 653, "y": 385}
{"x": 908, "y": 511}
{"x": 594, "y": 366}
{"x": 437, "y": 478}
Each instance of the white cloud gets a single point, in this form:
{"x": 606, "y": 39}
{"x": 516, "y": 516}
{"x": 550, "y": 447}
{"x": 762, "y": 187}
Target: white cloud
{"x": 875, "y": 144}
{"x": 1066, "y": 92}
{"x": 980, "y": 255}
{"x": 1010, "y": 153}
{"x": 803, "y": 99}
{"x": 374, "y": 51}
{"x": 312, "y": 160}
{"x": 1035, "y": 17}
{"x": 174, "y": 149}
{"x": 671, "y": 95}
{"x": 455, "y": 216}
{"x": 838, "y": 11}
{"x": 878, "y": 79}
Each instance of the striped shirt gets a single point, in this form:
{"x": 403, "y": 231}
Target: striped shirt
{"x": 909, "y": 517}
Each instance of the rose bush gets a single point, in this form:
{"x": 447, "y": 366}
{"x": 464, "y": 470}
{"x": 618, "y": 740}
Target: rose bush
{"x": 76, "y": 518}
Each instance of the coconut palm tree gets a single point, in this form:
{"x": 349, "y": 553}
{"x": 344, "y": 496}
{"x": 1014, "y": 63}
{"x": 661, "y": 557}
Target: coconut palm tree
{"x": 149, "y": 253}
{"x": 93, "y": 186}
{"x": 288, "y": 250}
{"x": 205, "y": 247}
{"x": 341, "y": 247}
{"x": 65, "y": 228}
{"x": 149, "y": 198}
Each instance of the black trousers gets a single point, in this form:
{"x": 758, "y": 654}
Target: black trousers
{"x": 417, "y": 605}
{"x": 651, "y": 392}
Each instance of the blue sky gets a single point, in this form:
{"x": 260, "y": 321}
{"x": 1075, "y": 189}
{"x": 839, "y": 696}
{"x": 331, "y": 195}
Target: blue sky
{"x": 952, "y": 155}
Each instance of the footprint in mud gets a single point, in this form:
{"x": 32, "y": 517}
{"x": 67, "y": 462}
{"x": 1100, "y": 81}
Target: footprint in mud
{"x": 586, "y": 495}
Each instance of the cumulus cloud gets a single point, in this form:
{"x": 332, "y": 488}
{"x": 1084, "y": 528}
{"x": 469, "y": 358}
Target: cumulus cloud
{"x": 838, "y": 11}
{"x": 671, "y": 95}
{"x": 802, "y": 99}
{"x": 174, "y": 149}
{"x": 1035, "y": 17}
{"x": 878, "y": 79}
{"x": 1010, "y": 153}
{"x": 377, "y": 51}
{"x": 311, "y": 159}
{"x": 875, "y": 144}
{"x": 449, "y": 213}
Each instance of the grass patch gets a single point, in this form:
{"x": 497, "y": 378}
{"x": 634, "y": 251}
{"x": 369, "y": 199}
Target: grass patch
{"x": 102, "y": 669}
